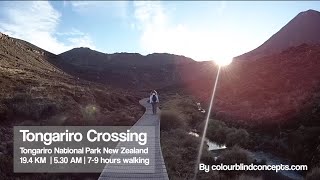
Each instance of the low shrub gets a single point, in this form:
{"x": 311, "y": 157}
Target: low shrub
{"x": 171, "y": 120}
{"x": 28, "y": 107}
{"x": 186, "y": 108}
{"x": 220, "y": 133}
{"x": 3, "y": 113}
{"x": 213, "y": 126}
{"x": 180, "y": 151}
{"x": 6, "y": 166}
{"x": 217, "y": 131}
{"x": 90, "y": 113}
{"x": 247, "y": 177}
{"x": 314, "y": 174}
{"x": 237, "y": 137}
{"x": 121, "y": 118}
{"x": 235, "y": 155}
{"x": 195, "y": 119}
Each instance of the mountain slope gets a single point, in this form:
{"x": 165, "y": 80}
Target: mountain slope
{"x": 304, "y": 28}
{"x": 33, "y": 89}
{"x": 87, "y": 57}
{"x": 273, "y": 89}
{"x": 282, "y": 88}
{"x": 125, "y": 70}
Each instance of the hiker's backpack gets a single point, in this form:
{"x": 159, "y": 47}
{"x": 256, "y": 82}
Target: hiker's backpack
{"x": 154, "y": 98}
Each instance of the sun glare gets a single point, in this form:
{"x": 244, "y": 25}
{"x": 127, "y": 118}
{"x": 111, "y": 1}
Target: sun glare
{"x": 223, "y": 61}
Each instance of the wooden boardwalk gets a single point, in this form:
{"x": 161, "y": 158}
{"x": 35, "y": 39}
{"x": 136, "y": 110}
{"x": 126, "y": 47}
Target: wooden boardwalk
{"x": 157, "y": 169}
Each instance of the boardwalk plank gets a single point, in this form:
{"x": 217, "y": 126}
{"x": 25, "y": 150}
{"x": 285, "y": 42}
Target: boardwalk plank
{"x": 157, "y": 171}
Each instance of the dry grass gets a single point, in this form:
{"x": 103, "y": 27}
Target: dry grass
{"x": 33, "y": 91}
{"x": 247, "y": 177}
{"x": 23, "y": 105}
{"x": 180, "y": 152}
{"x": 171, "y": 120}
{"x": 183, "y": 108}
{"x": 314, "y": 174}
{"x": 220, "y": 133}
{"x": 237, "y": 137}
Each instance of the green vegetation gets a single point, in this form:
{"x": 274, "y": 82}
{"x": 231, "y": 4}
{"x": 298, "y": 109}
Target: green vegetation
{"x": 171, "y": 120}
{"x": 220, "y": 133}
{"x": 183, "y": 107}
{"x": 178, "y": 117}
{"x": 179, "y": 148}
{"x": 64, "y": 105}
{"x": 60, "y": 104}
{"x": 24, "y": 105}
{"x": 180, "y": 114}
{"x": 235, "y": 155}
{"x": 180, "y": 152}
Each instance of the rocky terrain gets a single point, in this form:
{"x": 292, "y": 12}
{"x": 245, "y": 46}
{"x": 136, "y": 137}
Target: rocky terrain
{"x": 274, "y": 86}
{"x": 279, "y": 80}
{"x": 272, "y": 89}
{"x": 33, "y": 91}
{"x": 301, "y": 29}
{"x": 128, "y": 70}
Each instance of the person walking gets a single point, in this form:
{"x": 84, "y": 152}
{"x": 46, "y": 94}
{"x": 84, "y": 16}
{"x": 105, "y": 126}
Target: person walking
{"x": 154, "y": 99}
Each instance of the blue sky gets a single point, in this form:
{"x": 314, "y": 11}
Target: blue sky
{"x": 201, "y": 30}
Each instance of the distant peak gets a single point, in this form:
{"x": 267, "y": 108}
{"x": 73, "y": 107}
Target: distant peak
{"x": 81, "y": 48}
{"x": 310, "y": 12}
{"x": 84, "y": 48}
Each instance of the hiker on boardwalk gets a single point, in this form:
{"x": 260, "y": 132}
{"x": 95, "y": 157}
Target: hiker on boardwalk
{"x": 154, "y": 99}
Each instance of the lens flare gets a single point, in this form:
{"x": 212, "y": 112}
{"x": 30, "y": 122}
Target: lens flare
{"x": 223, "y": 61}
{"x": 90, "y": 112}
{"x": 206, "y": 124}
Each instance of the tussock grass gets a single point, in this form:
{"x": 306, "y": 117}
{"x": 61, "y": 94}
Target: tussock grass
{"x": 314, "y": 174}
{"x": 183, "y": 109}
{"x": 171, "y": 119}
{"x": 180, "y": 115}
{"x": 24, "y": 105}
{"x": 180, "y": 152}
{"x": 247, "y": 177}
{"x": 220, "y": 133}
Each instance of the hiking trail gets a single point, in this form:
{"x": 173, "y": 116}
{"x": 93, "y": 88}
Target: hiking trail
{"x": 154, "y": 171}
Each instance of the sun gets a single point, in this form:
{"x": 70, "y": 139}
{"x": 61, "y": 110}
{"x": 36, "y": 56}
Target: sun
{"x": 223, "y": 61}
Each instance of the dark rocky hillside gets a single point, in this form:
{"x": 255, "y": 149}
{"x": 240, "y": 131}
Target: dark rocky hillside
{"x": 124, "y": 70}
{"x": 304, "y": 28}
{"x": 272, "y": 89}
{"x": 277, "y": 97}
{"x": 35, "y": 91}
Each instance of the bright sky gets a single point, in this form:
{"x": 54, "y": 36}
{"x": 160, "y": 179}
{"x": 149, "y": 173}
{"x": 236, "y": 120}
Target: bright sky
{"x": 200, "y": 30}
